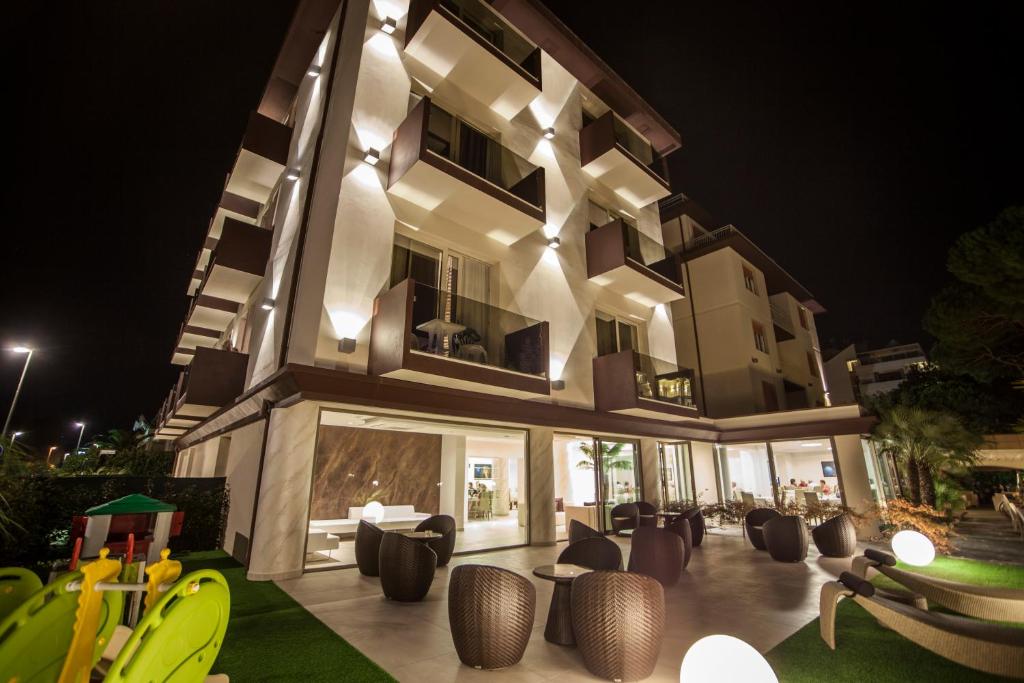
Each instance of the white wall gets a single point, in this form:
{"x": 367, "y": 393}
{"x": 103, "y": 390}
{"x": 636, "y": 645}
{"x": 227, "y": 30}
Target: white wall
{"x": 241, "y": 471}
{"x": 705, "y": 483}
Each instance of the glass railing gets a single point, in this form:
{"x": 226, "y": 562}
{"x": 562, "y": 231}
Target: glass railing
{"x": 460, "y": 143}
{"x": 461, "y": 328}
{"x": 660, "y": 380}
{"x": 637, "y": 146}
{"x": 648, "y": 252}
{"x": 487, "y": 24}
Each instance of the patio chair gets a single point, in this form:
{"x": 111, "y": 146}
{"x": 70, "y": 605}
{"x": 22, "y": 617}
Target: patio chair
{"x": 748, "y": 500}
{"x": 681, "y": 527}
{"x": 406, "y": 568}
{"x": 836, "y": 537}
{"x": 646, "y": 513}
{"x": 593, "y": 553}
{"x": 786, "y": 538}
{"x": 16, "y": 586}
{"x": 490, "y": 612}
{"x": 697, "y": 525}
{"x": 578, "y": 531}
{"x": 982, "y": 602}
{"x": 625, "y": 516}
{"x": 444, "y": 546}
{"x": 368, "y": 538}
{"x": 754, "y": 524}
{"x": 987, "y": 647}
{"x": 656, "y": 553}
{"x": 619, "y": 622}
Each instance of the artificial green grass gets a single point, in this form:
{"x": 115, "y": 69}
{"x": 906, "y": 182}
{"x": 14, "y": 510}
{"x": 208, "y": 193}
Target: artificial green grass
{"x": 867, "y": 652}
{"x": 272, "y": 638}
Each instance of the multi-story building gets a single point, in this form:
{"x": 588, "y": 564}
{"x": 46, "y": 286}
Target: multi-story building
{"x": 854, "y": 375}
{"x": 439, "y": 279}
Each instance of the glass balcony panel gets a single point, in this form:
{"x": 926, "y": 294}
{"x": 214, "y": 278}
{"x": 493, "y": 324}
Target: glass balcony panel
{"x": 483, "y": 21}
{"x": 636, "y": 145}
{"x": 660, "y": 380}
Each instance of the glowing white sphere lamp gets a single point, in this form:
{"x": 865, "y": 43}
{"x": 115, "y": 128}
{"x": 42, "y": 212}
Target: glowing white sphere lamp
{"x": 913, "y": 547}
{"x": 724, "y": 658}
{"x": 374, "y": 512}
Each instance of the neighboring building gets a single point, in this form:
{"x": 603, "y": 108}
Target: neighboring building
{"x": 854, "y": 375}
{"x": 439, "y": 279}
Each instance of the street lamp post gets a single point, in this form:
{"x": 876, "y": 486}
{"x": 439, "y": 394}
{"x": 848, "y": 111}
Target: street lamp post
{"x": 17, "y": 392}
{"x": 81, "y": 431}
{"x": 49, "y": 453}
{"x": 14, "y": 437}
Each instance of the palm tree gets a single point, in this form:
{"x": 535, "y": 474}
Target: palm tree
{"x": 611, "y": 456}
{"x": 924, "y": 442}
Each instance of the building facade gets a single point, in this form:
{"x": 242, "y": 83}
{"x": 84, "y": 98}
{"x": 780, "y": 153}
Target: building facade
{"x": 854, "y": 375}
{"x": 446, "y": 276}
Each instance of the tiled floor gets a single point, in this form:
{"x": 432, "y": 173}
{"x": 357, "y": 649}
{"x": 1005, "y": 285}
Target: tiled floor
{"x": 727, "y": 588}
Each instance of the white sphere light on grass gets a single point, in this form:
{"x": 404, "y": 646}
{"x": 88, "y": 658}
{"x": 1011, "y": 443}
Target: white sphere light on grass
{"x": 724, "y": 658}
{"x": 374, "y": 512}
{"x": 914, "y": 548}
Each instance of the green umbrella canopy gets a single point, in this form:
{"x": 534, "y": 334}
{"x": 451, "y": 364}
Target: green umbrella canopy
{"x": 133, "y": 504}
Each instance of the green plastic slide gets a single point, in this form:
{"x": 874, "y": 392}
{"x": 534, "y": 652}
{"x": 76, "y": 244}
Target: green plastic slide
{"x": 16, "y": 586}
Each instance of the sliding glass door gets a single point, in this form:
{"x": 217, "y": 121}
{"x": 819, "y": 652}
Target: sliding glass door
{"x": 619, "y": 476}
{"x": 593, "y": 475}
{"x": 676, "y": 473}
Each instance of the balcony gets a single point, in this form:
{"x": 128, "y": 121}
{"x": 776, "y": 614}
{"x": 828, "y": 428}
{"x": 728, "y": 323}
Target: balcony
{"x": 631, "y": 383}
{"x": 260, "y": 160}
{"x": 214, "y": 379}
{"x": 443, "y": 168}
{"x": 190, "y": 338}
{"x": 237, "y": 261}
{"x": 422, "y": 334}
{"x": 622, "y": 160}
{"x": 628, "y": 262}
{"x": 782, "y": 322}
{"x": 471, "y": 46}
{"x": 230, "y": 206}
{"x": 207, "y": 313}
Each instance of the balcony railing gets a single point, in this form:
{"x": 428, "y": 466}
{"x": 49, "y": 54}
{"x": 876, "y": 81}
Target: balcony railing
{"x": 626, "y": 261}
{"x": 710, "y": 238}
{"x": 636, "y": 384}
{"x": 660, "y": 380}
{"x": 782, "y": 322}
{"x": 484, "y": 22}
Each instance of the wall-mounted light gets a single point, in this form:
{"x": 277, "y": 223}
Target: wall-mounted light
{"x": 554, "y": 243}
{"x": 292, "y": 174}
{"x": 372, "y": 156}
{"x": 558, "y": 384}
{"x": 346, "y": 345}
{"x": 267, "y": 304}
{"x": 389, "y": 25}
{"x": 313, "y": 71}
{"x": 549, "y": 132}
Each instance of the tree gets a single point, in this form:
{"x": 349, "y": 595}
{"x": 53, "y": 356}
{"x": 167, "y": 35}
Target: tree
{"x": 978, "y": 322}
{"x": 924, "y": 442}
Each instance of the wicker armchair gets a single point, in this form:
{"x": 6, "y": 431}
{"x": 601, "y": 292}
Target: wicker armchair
{"x": 368, "y": 538}
{"x": 836, "y": 537}
{"x": 444, "y": 546}
{"x": 657, "y": 553}
{"x": 593, "y": 553}
{"x": 754, "y": 524}
{"x": 681, "y": 527}
{"x": 406, "y": 568}
{"x": 578, "y": 531}
{"x": 646, "y": 513}
{"x": 697, "y": 525}
{"x": 786, "y": 538}
{"x": 490, "y": 612}
{"x": 619, "y": 622}
{"x": 625, "y": 516}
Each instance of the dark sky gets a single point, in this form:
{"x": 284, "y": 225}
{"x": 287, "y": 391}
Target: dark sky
{"x": 851, "y": 143}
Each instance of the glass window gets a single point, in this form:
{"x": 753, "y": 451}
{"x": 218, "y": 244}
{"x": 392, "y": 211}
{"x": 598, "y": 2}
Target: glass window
{"x": 802, "y": 313}
{"x": 619, "y": 475}
{"x": 760, "y": 340}
{"x": 744, "y": 474}
{"x": 806, "y": 469}
{"x": 812, "y": 365}
{"x": 748, "y": 280}
{"x": 615, "y": 334}
{"x": 575, "y": 483}
{"x": 676, "y": 473}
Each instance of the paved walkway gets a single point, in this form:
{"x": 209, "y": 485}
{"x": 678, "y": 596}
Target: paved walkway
{"x": 985, "y": 534}
{"x": 727, "y": 588}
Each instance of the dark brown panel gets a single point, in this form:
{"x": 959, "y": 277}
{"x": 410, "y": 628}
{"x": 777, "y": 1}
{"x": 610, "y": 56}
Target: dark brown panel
{"x": 267, "y": 138}
{"x": 598, "y": 137}
{"x": 201, "y": 331}
{"x": 250, "y": 208}
{"x": 409, "y": 139}
{"x": 206, "y": 301}
{"x": 242, "y": 247}
{"x": 390, "y": 329}
{"x": 803, "y": 430}
{"x": 215, "y": 377}
{"x": 614, "y": 381}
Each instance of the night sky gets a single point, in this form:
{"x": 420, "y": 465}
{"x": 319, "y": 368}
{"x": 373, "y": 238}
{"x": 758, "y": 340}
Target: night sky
{"x": 853, "y": 144}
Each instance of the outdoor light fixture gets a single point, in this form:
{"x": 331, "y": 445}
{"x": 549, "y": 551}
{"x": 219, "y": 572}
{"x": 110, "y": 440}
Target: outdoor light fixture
{"x": 268, "y": 304}
{"x": 558, "y": 384}
{"x": 313, "y": 71}
{"x": 913, "y": 547}
{"x": 292, "y": 174}
{"x": 346, "y": 345}
{"x": 549, "y": 132}
{"x": 389, "y": 25}
{"x": 554, "y": 243}
{"x": 372, "y": 156}
{"x": 21, "y": 349}
{"x": 724, "y": 658}
{"x": 374, "y": 511}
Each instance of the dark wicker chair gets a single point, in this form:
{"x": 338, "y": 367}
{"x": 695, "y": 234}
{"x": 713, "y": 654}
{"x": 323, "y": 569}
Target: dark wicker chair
{"x": 490, "y": 612}
{"x": 625, "y": 516}
{"x": 619, "y": 622}
{"x": 444, "y": 546}
{"x": 836, "y": 537}
{"x": 406, "y": 567}
{"x": 646, "y": 513}
{"x": 754, "y": 523}
{"x": 368, "y": 538}
{"x": 578, "y": 531}
{"x": 593, "y": 553}
{"x": 697, "y": 525}
{"x": 657, "y": 553}
{"x": 786, "y": 538}
{"x": 681, "y": 527}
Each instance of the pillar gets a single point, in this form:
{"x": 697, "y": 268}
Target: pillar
{"x": 650, "y": 467}
{"x": 853, "y": 483}
{"x": 542, "y": 487}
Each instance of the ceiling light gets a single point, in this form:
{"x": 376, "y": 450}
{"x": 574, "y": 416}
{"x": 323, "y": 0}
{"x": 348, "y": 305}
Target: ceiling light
{"x": 389, "y": 25}
{"x": 268, "y": 304}
{"x": 372, "y": 156}
{"x": 554, "y": 243}
{"x": 549, "y": 132}
{"x": 810, "y": 445}
{"x": 313, "y": 71}
{"x": 292, "y": 174}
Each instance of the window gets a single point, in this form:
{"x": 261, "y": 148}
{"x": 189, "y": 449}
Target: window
{"x": 802, "y": 312}
{"x": 771, "y": 399}
{"x": 760, "y": 340}
{"x": 748, "y": 280}
{"x": 614, "y": 334}
{"x": 813, "y": 366}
